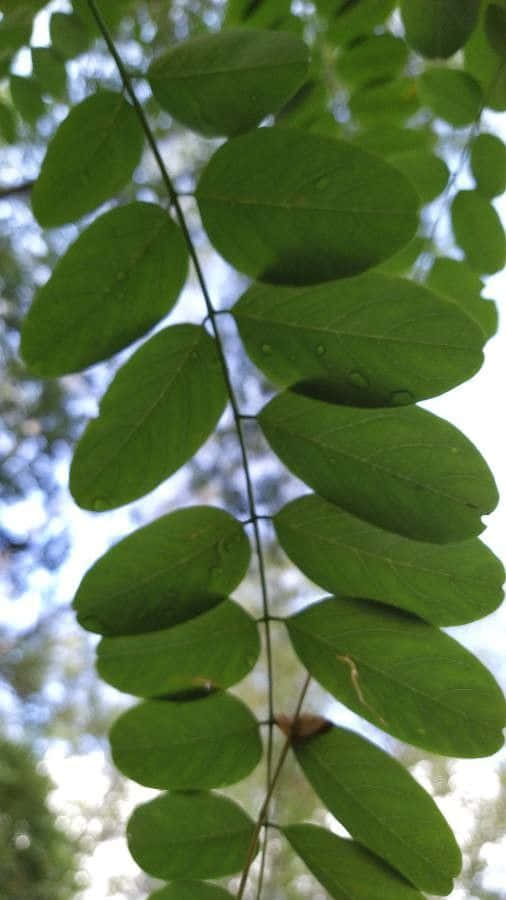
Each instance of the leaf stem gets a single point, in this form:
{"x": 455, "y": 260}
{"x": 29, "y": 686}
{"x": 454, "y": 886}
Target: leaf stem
{"x": 212, "y": 314}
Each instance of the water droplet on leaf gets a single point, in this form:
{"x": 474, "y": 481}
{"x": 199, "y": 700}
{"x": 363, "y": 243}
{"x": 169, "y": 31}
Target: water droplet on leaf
{"x": 358, "y": 379}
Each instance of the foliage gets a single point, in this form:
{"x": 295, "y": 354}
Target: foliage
{"x": 355, "y": 319}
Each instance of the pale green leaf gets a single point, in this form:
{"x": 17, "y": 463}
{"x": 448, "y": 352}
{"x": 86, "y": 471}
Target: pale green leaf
{"x": 446, "y": 584}
{"x": 391, "y": 140}
{"x": 404, "y": 469}
{"x": 428, "y": 173}
{"x": 360, "y": 340}
{"x": 381, "y": 806}
{"x": 454, "y": 279}
{"x": 372, "y": 58}
{"x": 187, "y": 745}
{"x": 488, "y": 164}
{"x": 164, "y": 573}
{"x": 90, "y": 158}
{"x": 479, "y": 231}
{"x": 345, "y": 869}
{"x": 227, "y": 82}
{"x": 217, "y": 648}
{"x": 388, "y": 102}
{"x": 438, "y": 28}
{"x": 289, "y": 207}
{"x": 160, "y": 408}
{"x": 403, "y": 675}
{"x": 190, "y": 890}
{"x": 487, "y": 66}
{"x": 97, "y": 303}
{"x": 452, "y": 95}
{"x": 352, "y": 20}
{"x": 198, "y": 835}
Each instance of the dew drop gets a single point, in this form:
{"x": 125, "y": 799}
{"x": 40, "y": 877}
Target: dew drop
{"x": 401, "y": 398}
{"x": 322, "y": 183}
{"x": 358, "y": 379}
{"x": 266, "y": 348}
{"x": 320, "y": 350}
{"x": 100, "y": 504}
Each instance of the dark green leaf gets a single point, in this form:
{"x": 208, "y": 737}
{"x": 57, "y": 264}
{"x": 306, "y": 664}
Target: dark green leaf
{"x": 403, "y": 469}
{"x": 285, "y": 206}
{"x": 190, "y": 836}
{"x": 428, "y": 173}
{"x": 89, "y": 159}
{"x": 227, "y": 82}
{"x": 345, "y": 869}
{"x": 360, "y": 340}
{"x": 8, "y": 130}
{"x": 68, "y": 34}
{"x": 97, "y": 303}
{"x": 161, "y": 407}
{"x": 49, "y": 70}
{"x": 382, "y": 807}
{"x": 495, "y": 27}
{"x": 165, "y": 573}
{"x": 478, "y": 230}
{"x": 488, "y": 164}
{"x": 217, "y": 648}
{"x": 452, "y": 95}
{"x": 27, "y": 98}
{"x": 190, "y": 890}
{"x": 192, "y": 745}
{"x": 454, "y": 279}
{"x": 446, "y": 584}
{"x": 403, "y": 675}
{"x": 372, "y": 59}
{"x": 387, "y": 102}
{"x": 439, "y": 27}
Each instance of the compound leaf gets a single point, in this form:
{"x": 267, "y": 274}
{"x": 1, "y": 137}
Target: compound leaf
{"x": 403, "y": 675}
{"x": 446, "y": 584}
{"x": 289, "y": 207}
{"x": 159, "y": 409}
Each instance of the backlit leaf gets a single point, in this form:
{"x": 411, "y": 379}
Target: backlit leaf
{"x": 428, "y": 173}
{"x": 392, "y": 140}
{"x": 285, "y": 206}
{"x": 359, "y": 340}
{"x": 90, "y": 158}
{"x": 487, "y": 66}
{"x": 161, "y": 406}
{"x": 187, "y": 745}
{"x": 453, "y": 278}
{"x": 217, "y": 648}
{"x": 403, "y": 469}
{"x": 227, "y": 82}
{"x": 190, "y": 890}
{"x": 97, "y": 303}
{"x": 439, "y": 27}
{"x": 403, "y": 675}
{"x": 488, "y": 164}
{"x": 164, "y": 573}
{"x": 198, "y": 835}
{"x": 386, "y": 102}
{"x": 352, "y": 20}
{"x": 452, "y": 95}
{"x": 372, "y": 58}
{"x": 381, "y": 806}
{"x": 344, "y": 868}
{"x": 446, "y": 584}
{"x": 479, "y": 231}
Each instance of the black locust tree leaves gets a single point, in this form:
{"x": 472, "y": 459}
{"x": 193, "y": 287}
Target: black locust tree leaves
{"x": 317, "y": 209}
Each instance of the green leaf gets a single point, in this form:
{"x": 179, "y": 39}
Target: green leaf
{"x": 289, "y": 207}
{"x": 495, "y": 27}
{"x": 27, "y": 98}
{"x": 382, "y": 807}
{"x": 452, "y": 95}
{"x": 403, "y": 675}
{"x": 8, "y": 129}
{"x": 161, "y": 407}
{"x": 97, "y": 303}
{"x": 403, "y": 469}
{"x": 227, "y": 82}
{"x": 190, "y": 890}
{"x": 345, "y": 869}
{"x": 49, "y": 70}
{"x": 90, "y": 158}
{"x": 217, "y": 648}
{"x": 352, "y": 20}
{"x": 391, "y": 140}
{"x": 387, "y": 102}
{"x": 68, "y": 34}
{"x": 486, "y": 66}
{"x": 488, "y": 164}
{"x": 199, "y": 835}
{"x": 164, "y": 573}
{"x": 393, "y": 333}
{"x": 428, "y": 173}
{"x": 261, "y": 14}
{"x": 402, "y": 262}
{"x": 372, "y": 58}
{"x": 189, "y": 745}
{"x": 438, "y": 28}
{"x": 454, "y": 279}
{"x": 478, "y": 230}
{"x": 446, "y": 584}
